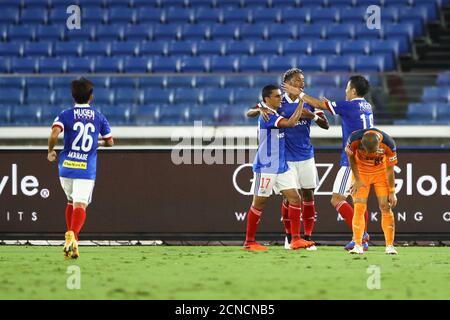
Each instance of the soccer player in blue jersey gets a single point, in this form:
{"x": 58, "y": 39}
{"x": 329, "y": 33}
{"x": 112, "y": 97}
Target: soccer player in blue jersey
{"x": 271, "y": 171}
{"x": 356, "y": 114}
{"x": 299, "y": 152}
{"x": 77, "y": 165}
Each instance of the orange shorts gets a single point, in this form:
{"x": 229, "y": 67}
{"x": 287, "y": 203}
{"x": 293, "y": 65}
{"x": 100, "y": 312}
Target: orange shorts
{"x": 379, "y": 182}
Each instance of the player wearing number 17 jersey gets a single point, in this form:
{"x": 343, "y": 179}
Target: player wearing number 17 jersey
{"x": 77, "y": 165}
{"x": 356, "y": 114}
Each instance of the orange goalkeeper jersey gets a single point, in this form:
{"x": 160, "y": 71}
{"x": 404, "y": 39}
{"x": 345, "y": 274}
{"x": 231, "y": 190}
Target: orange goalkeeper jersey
{"x": 372, "y": 163}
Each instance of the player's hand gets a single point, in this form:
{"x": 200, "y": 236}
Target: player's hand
{"x": 307, "y": 114}
{"x": 264, "y": 112}
{"x": 357, "y": 184}
{"x": 51, "y": 156}
{"x": 291, "y": 90}
{"x": 325, "y": 99}
{"x": 392, "y": 198}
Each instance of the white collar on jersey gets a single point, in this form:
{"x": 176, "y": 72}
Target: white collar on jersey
{"x": 289, "y": 100}
{"x": 358, "y": 99}
{"x": 263, "y": 105}
{"x": 82, "y": 105}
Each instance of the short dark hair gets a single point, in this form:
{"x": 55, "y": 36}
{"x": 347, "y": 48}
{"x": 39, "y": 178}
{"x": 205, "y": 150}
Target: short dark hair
{"x": 82, "y": 90}
{"x": 267, "y": 91}
{"x": 360, "y": 84}
{"x": 289, "y": 74}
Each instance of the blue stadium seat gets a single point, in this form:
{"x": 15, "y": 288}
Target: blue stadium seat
{"x": 51, "y": 65}
{"x": 164, "y": 64}
{"x": 395, "y": 3}
{"x": 373, "y": 63}
{"x": 149, "y": 15}
{"x": 67, "y": 49}
{"x": 78, "y": 65}
{"x": 39, "y": 96}
{"x": 53, "y": 33}
{"x": 11, "y": 96}
{"x": 84, "y": 34}
{"x": 11, "y": 49}
{"x": 4, "y": 65}
{"x": 256, "y": 3}
{"x": 297, "y": 47}
{"x": 202, "y": 4}
{"x": 353, "y": 15}
{"x": 103, "y": 96}
{"x": 22, "y": 32}
{"x": 11, "y": 83}
{"x": 5, "y": 115}
{"x": 281, "y": 63}
{"x": 153, "y": 48}
{"x": 239, "y": 47}
{"x": 179, "y": 82}
{"x": 334, "y": 94}
{"x": 207, "y": 82}
{"x": 340, "y": 63}
{"x": 247, "y": 96}
{"x": 235, "y": 115}
{"x": 420, "y": 112}
{"x": 25, "y": 115}
{"x": 390, "y": 14}
{"x": 121, "y": 16}
{"x": 93, "y": 16}
{"x": 366, "y": 3}
{"x": 314, "y": 32}
{"x": 23, "y": 65}
{"x": 238, "y": 82}
{"x": 34, "y": 16}
{"x": 49, "y": 113}
{"x": 282, "y": 31}
{"x": 266, "y": 15}
{"x": 443, "y": 113}
{"x": 186, "y": 96}
{"x": 194, "y": 64}
{"x": 329, "y": 47}
{"x": 271, "y": 47}
{"x": 261, "y": 81}
{"x": 311, "y": 63}
{"x": 175, "y": 15}
{"x": 153, "y": 82}
{"x": 137, "y": 32}
{"x": 227, "y": 32}
{"x": 9, "y": 16}
{"x": 173, "y": 3}
{"x": 355, "y": 47}
{"x": 325, "y": 15}
{"x": 342, "y": 31}
{"x": 157, "y": 96}
{"x": 128, "y": 48}
{"x": 436, "y": 94}
{"x": 216, "y": 96}
{"x": 108, "y": 32}
{"x": 180, "y": 48}
{"x": 210, "y": 48}
{"x": 136, "y": 65}
{"x": 405, "y": 29}
{"x": 194, "y": 31}
{"x": 223, "y": 64}
{"x": 252, "y": 31}
{"x": 147, "y": 115}
{"x": 207, "y": 15}
{"x": 96, "y": 48}
{"x": 37, "y": 49}
{"x": 295, "y": 16}
{"x": 126, "y": 96}
{"x": 230, "y": 4}
{"x": 166, "y": 32}
{"x": 322, "y": 81}
{"x": 118, "y": 115}
{"x": 208, "y": 115}
{"x": 443, "y": 79}
{"x": 340, "y": 3}
{"x": 174, "y": 115}
{"x": 107, "y": 64}
{"x": 252, "y": 64}
{"x": 120, "y": 82}
{"x": 364, "y": 33}
{"x": 58, "y": 15}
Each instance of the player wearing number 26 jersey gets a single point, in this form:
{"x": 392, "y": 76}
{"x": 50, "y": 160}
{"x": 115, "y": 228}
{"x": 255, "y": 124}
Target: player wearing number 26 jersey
{"x": 77, "y": 166}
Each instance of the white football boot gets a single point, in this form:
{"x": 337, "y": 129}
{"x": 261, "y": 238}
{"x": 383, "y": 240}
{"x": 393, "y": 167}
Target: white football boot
{"x": 357, "y": 249}
{"x": 390, "y": 250}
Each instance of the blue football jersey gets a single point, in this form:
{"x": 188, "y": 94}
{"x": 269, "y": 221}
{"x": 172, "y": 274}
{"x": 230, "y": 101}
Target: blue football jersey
{"x": 270, "y": 157}
{"x": 298, "y": 138}
{"x": 81, "y": 126}
{"x": 356, "y": 115}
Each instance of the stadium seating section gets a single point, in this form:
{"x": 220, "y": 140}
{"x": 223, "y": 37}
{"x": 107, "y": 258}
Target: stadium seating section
{"x": 204, "y": 59}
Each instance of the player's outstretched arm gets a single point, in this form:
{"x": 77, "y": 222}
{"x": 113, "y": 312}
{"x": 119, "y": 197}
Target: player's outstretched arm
{"x": 258, "y": 110}
{"x": 292, "y": 121}
{"x": 52, "y": 139}
{"x": 316, "y": 103}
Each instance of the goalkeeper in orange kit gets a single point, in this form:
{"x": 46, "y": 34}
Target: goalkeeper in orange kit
{"x": 372, "y": 156}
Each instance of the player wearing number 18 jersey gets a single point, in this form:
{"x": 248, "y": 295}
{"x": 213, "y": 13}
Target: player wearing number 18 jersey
{"x": 77, "y": 165}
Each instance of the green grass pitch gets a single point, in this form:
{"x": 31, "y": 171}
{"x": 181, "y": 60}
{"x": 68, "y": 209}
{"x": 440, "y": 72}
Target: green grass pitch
{"x": 171, "y": 272}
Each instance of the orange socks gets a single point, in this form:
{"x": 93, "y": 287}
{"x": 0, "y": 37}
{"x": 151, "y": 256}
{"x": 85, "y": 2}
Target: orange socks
{"x": 358, "y": 222}
{"x": 388, "y": 225}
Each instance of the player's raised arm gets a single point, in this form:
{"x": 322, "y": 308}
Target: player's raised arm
{"x": 292, "y": 121}
{"x": 316, "y": 103}
{"x": 259, "y": 110}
